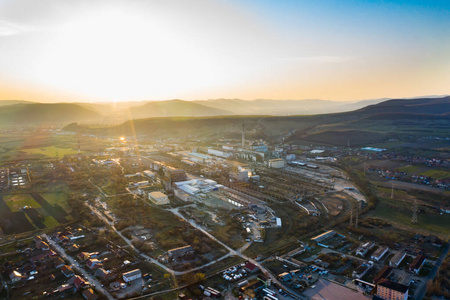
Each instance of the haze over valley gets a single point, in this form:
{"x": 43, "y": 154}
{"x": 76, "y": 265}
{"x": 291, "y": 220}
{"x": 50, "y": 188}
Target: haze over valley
{"x": 238, "y": 149}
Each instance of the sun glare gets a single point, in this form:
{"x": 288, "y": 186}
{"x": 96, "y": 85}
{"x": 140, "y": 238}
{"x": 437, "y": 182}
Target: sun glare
{"x": 115, "y": 54}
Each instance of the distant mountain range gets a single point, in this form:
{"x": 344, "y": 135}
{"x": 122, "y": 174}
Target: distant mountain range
{"x": 398, "y": 119}
{"x": 285, "y": 107}
{"x": 173, "y": 108}
{"x": 16, "y": 112}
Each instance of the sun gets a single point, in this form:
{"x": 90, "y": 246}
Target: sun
{"x": 117, "y": 54}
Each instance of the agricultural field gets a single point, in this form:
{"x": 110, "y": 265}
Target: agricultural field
{"x": 57, "y": 199}
{"x": 27, "y": 212}
{"x": 51, "y": 151}
{"x": 391, "y": 211}
{"x": 36, "y": 144}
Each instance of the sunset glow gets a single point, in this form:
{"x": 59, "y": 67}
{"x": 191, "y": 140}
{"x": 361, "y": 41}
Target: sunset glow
{"x": 154, "y": 50}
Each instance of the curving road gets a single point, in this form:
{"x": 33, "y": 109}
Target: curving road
{"x": 420, "y": 293}
{"x": 232, "y": 251}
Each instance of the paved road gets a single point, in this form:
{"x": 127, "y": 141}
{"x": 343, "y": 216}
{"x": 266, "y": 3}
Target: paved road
{"x": 420, "y": 293}
{"x": 60, "y": 250}
{"x": 148, "y": 258}
{"x": 232, "y": 251}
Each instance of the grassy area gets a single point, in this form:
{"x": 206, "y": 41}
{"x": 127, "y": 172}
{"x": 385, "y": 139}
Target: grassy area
{"x": 430, "y": 222}
{"x": 16, "y": 202}
{"x": 56, "y": 199}
{"x": 408, "y": 169}
{"x": 50, "y": 222}
{"x": 51, "y": 151}
{"x": 436, "y": 174}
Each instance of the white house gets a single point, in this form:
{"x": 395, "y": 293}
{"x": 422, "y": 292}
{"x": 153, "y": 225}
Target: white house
{"x": 378, "y": 254}
{"x": 132, "y": 275}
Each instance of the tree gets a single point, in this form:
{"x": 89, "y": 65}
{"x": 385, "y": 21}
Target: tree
{"x": 200, "y": 277}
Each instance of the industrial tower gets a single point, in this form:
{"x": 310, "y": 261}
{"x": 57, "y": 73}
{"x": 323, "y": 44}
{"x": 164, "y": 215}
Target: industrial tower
{"x": 243, "y": 135}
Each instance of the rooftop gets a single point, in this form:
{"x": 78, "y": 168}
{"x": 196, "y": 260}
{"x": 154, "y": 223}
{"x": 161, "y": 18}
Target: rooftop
{"x": 393, "y": 285}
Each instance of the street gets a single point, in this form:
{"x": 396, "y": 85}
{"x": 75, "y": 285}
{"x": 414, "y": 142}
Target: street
{"x": 96, "y": 285}
{"x": 420, "y": 293}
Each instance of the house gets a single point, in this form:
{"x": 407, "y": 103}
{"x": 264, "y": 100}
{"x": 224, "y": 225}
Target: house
{"x": 180, "y": 252}
{"x": 383, "y": 274}
{"x": 67, "y": 271}
{"x": 15, "y": 276}
{"x": 94, "y": 254}
{"x": 79, "y": 282}
{"x": 93, "y": 263}
{"x": 42, "y": 245}
{"x": 397, "y": 259}
{"x": 37, "y": 238}
{"x": 324, "y": 236}
{"x": 390, "y": 290}
{"x": 50, "y": 253}
{"x": 250, "y": 268}
{"x": 73, "y": 248}
{"x": 417, "y": 263}
{"x": 361, "y": 270}
{"x": 158, "y": 198}
{"x": 285, "y": 276}
{"x": 58, "y": 262}
{"x": 62, "y": 238}
{"x": 132, "y": 275}
{"x": 379, "y": 253}
{"x": 83, "y": 256}
{"x": 89, "y": 294}
{"x": 364, "y": 248}
{"x": 104, "y": 275}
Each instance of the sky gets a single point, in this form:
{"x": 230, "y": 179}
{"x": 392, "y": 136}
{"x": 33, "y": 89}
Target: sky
{"x": 133, "y": 50}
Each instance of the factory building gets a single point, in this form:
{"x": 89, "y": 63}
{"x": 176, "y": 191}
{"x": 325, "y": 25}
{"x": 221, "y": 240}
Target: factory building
{"x": 219, "y": 153}
{"x": 158, "y": 198}
{"x": 196, "y": 186}
{"x": 277, "y": 163}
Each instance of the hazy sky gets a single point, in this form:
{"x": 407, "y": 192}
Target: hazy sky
{"x": 89, "y": 50}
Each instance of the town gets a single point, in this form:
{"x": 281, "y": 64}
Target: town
{"x": 131, "y": 217}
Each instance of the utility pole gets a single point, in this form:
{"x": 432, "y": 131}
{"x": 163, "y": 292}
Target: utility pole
{"x": 351, "y": 216}
{"x": 392, "y": 190}
{"x": 243, "y": 136}
{"x": 414, "y": 216}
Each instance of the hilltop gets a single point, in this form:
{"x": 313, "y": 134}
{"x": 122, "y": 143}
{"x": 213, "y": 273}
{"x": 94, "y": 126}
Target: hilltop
{"x": 175, "y": 108}
{"x": 44, "y": 113}
{"x": 393, "y": 119}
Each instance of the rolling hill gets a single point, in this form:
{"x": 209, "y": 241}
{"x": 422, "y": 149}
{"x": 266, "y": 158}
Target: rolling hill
{"x": 175, "y": 108}
{"x": 40, "y": 113}
{"x": 392, "y": 119}
{"x": 285, "y": 107}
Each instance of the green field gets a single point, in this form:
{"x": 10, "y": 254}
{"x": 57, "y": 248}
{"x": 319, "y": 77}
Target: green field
{"x": 49, "y": 221}
{"x": 17, "y": 202}
{"x": 57, "y": 199}
{"x": 408, "y": 169}
{"x": 432, "y": 222}
{"x": 436, "y": 174}
{"x": 51, "y": 151}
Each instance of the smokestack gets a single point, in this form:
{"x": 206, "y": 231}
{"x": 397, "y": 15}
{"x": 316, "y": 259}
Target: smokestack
{"x": 243, "y": 136}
